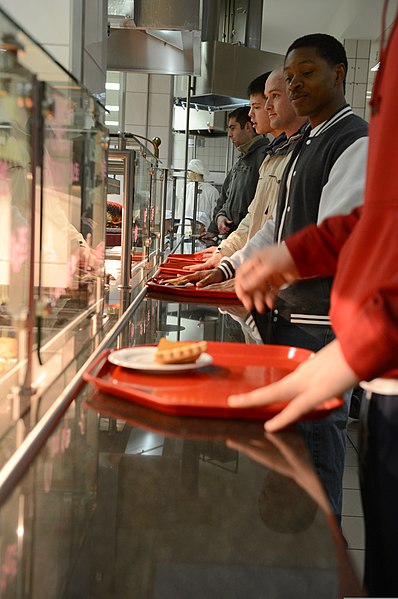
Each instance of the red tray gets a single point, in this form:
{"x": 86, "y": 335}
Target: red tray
{"x": 154, "y": 284}
{"x": 170, "y": 269}
{"x": 236, "y": 368}
{"x": 189, "y": 258}
{"x": 180, "y": 263}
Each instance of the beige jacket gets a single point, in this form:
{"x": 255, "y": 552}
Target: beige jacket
{"x": 262, "y": 207}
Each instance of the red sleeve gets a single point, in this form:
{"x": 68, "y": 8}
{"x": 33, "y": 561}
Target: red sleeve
{"x": 316, "y": 249}
{"x": 370, "y": 340}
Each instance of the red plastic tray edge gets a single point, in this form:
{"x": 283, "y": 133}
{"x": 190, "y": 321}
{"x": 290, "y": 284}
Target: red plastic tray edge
{"x": 142, "y": 398}
{"x": 185, "y": 257}
{"x": 191, "y": 291}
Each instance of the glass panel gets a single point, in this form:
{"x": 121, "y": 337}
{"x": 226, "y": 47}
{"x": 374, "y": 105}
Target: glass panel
{"x": 16, "y": 89}
{"x": 156, "y": 207}
{"x": 52, "y": 184}
{"x": 117, "y": 189}
{"x": 69, "y": 251}
{"x": 142, "y": 206}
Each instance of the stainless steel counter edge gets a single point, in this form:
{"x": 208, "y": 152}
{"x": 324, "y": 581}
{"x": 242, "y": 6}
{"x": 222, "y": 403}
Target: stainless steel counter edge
{"x": 24, "y": 454}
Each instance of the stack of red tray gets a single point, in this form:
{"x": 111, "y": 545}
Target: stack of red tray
{"x": 172, "y": 267}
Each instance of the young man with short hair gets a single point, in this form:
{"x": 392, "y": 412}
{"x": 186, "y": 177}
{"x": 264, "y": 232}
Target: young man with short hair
{"x": 240, "y": 184}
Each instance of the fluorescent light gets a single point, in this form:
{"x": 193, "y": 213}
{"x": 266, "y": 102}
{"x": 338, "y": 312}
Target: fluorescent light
{"x": 112, "y": 123}
{"x": 112, "y": 85}
{"x": 112, "y": 108}
{"x": 376, "y": 67}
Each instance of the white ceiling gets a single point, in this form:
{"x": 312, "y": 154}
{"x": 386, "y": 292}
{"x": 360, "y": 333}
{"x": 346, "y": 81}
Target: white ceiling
{"x": 285, "y": 20}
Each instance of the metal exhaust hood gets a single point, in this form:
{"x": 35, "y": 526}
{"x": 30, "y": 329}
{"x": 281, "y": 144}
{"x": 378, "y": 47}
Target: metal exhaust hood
{"x": 226, "y": 71}
{"x": 154, "y": 36}
{"x": 164, "y": 36}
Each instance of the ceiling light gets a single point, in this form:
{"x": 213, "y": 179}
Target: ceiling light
{"x": 109, "y": 85}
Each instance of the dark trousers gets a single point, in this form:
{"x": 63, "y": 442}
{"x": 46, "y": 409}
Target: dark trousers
{"x": 326, "y": 438}
{"x": 379, "y": 489}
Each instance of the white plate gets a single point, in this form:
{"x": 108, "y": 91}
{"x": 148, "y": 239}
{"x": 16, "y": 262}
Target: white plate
{"x": 142, "y": 358}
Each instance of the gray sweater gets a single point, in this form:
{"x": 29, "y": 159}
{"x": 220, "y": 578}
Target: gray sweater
{"x": 240, "y": 184}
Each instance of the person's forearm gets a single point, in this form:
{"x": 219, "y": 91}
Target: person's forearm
{"x": 263, "y": 238}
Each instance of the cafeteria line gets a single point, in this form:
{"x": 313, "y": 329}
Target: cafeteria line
{"x": 123, "y": 475}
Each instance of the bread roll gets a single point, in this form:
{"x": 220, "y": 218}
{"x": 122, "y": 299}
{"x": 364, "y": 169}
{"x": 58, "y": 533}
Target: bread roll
{"x": 179, "y": 352}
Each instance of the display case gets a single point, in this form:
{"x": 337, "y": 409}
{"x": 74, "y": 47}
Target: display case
{"x": 82, "y": 227}
{"x": 53, "y": 152}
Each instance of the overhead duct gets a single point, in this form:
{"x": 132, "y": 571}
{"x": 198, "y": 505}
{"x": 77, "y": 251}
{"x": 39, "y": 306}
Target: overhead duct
{"x": 226, "y": 72}
{"x": 230, "y": 55}
{"x": 218, "y": 46}
{"x": 154, "y": 36}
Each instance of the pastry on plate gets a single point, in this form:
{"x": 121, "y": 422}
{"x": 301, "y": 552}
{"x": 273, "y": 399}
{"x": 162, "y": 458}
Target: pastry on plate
{"x": 176, "y": 281}
{"x": 179, "y": 352}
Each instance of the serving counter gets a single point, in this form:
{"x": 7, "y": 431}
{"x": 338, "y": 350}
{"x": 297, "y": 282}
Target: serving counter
{"x": 100, "y": 497}
{"x": 122, "y": 501}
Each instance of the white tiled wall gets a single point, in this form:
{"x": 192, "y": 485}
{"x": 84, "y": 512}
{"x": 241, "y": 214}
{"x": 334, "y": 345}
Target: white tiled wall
{"x": 358, "y": 54}
{"x": 148, "y": 104}
{"x": 212, "y": 151}
{"x": 51, "y": 23}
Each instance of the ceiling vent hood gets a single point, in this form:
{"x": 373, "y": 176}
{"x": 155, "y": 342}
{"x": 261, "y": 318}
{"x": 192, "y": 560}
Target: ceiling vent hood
{"x": 215, "y": 41}
{"x": 226, "y": 71}
{"x": 154, "y": 36}
{"x": 230, "y": 55}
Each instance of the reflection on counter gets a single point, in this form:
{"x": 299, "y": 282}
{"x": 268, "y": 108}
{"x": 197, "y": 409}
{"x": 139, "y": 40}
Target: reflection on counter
{"x": 125, "y": 502}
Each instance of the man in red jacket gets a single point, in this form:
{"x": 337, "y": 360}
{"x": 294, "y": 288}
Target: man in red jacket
{"x": 362, "y": 250}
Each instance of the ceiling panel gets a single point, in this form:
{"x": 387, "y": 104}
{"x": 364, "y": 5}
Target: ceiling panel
{"x": 285, "y": 20}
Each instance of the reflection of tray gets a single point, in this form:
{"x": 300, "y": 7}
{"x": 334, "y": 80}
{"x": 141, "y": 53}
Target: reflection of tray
{"x": 237, "y": 368}
{"x": 174, "y": 425}
{"x": 198, "y": 293}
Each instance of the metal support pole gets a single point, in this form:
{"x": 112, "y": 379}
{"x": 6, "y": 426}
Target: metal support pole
{"x": 173, "y": 210}
{"x": 163, "y": 209}
{"x": 188, "y": 106}
{"x": 195, "y": 211}
{"x": 127, "y": 219}
{"x": 37, "y": 172}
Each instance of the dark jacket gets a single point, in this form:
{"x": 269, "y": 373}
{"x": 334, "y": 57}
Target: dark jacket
{"x": 240, "y": 184}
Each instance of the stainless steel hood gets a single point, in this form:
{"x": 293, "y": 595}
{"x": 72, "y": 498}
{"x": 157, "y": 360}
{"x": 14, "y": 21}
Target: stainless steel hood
{"x": 226, "y": 71}
{"x": 164, "y": 36}
{"x": 154, "y": 36}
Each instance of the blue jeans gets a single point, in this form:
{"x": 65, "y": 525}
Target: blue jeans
{"x": 326, "y": 438}
{"x": 378, "y": 455}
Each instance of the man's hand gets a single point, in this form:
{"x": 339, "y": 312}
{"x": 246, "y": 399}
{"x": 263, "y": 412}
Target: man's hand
{"x": 207, "y": 252}
{"x": 316, "y": 380}
{"x": 223, "y": 224}
{"x": 208, "y": 236}
{"x": 260, "y": 277}
{"x": 212, "y": 262}
{"x": 204, "y": 278}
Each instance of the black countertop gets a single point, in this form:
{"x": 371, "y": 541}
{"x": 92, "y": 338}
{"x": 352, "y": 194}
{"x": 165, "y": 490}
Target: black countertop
{"x": 124, "y": 502}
